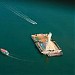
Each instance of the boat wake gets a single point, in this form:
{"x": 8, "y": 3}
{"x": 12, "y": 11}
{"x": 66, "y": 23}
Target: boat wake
{"x": 5, "y": 52}
{"x": 19, "y": 58}
{"x": 19, "y": 13}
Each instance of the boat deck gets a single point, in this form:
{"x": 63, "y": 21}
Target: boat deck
{"x": 41, "y": 41}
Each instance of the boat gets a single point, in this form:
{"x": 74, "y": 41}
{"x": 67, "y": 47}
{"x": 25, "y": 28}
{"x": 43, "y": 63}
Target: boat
{"x": 4, "y": 51}
{"x": 46, "y": 44}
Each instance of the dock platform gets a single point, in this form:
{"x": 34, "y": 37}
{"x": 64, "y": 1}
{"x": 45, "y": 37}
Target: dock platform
{"x": 46, "y": 44}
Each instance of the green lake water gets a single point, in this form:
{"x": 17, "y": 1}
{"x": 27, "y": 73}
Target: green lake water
{"x": 15, "y": 36}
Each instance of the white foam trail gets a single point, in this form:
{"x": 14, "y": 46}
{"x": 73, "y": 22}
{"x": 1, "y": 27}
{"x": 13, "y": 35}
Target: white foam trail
{"x": 20, "y": 14}
{"x": 20, "y": 59}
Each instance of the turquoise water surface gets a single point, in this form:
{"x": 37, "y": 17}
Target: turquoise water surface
{"x": 15, "y": 36}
